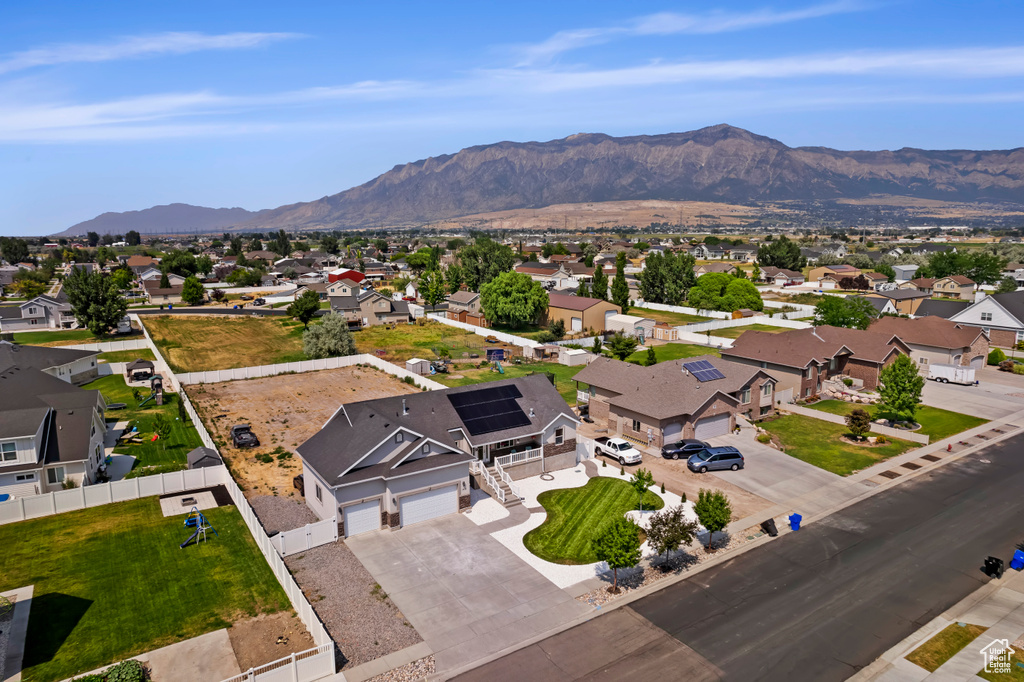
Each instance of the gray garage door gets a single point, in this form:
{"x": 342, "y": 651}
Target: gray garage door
{"x": 362, "y": 518}
{"x": 978, "y": 362}
{"x": 710, "y": 427}
{"x": 672, "y": 433}
{"x": 429, "y": 505}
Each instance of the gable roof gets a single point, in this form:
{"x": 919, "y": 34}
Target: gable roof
{"x": 39, "y": 357}
{"x": 901, "y": 294}
{"x": 944, "y": 308}
{"x": 801, "y": 347}
{"x": 960, "y": 279}
{"x": 928, "y": 331}
{"x": 567, "y": 302}
{"x": 463, "y": 296}
{"x": 1012, "y": 302}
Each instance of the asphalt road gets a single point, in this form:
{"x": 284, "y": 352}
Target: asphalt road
{"x": 821, "y": 603}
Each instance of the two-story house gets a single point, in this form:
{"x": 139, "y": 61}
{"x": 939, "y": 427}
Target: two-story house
{"x": 464, "y": 306}
{"x": 41, "y": 312}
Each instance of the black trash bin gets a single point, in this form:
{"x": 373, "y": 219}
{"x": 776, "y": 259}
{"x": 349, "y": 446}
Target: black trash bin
{"x": 994, "y": 567}
{"x": 769, "y": 527}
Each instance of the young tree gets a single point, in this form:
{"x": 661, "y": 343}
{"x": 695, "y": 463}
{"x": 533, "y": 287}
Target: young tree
{"x": 305, "y": 307}
{"x": 781, "y": 253}
{"x": 596, "y": 348}
{"x": 852, "y": 312}
{"x": 622, "y": 346}
{"x": 641, "y": 481}
{"x": 331, "y": 338}
{"x": 453, "y": 278}
{"x": 1006, "y": 285}
{"x": 713, "y": 511}
{"x": 557, "y": 329}
{"x": 95, "y": 300}
{"x": 192, "y": 291}
{"x": 618, "y": 544}
{"x": 652, "y": 357}
{"x": 204, "y": 265}
{"x": 901, "y": 385}
{"x": 432, "y": 287}
{"x": 165, "y": 281}
{"x": 859, "y": 422}
{"x": 669, "y": 529}
{"x": 599, "y": 287}
{"x": 755, "y": 273}
{"x": 162, "y": 425}
{"x": 583, "y": 291}
{"x": 513, "y": 298}
{"x": 620, "y": 290}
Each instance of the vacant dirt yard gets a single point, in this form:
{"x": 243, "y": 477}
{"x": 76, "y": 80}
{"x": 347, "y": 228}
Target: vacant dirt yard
{"x": 194, "y": 343}
{"x": 284, "y": 411}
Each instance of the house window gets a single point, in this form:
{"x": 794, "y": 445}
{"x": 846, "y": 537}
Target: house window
{"x": 10, "y": 451}
{"x": 426, "y": 448}
{"x": 766, "y": 389}
{"x": 31, "y": 311}
{"x": 765, "y": 410}
{"x": 1020, "y": 337}
{"x": 807, "y": 373}
{"x": 319, "y": 493}
{"x": 25, "y": 477}
{"x": 832, "y": 364}
{"x": 559, "y": 435}
{"x": 399, "y": 437}
{"x": 55, "y": 475}
{"x": 807, "y": 392}
{"x": 636, "y": 425}
{"x": 745, "y": 396}
{"x": 986, "y": 317}
{"x": 922, "y": 361}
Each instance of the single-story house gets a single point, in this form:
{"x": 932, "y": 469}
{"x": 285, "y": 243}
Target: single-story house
{"x": 829, "y": 276}
{"x": 801, "y": 359}
{"x": 781, "y": 277}
{"x": 579, "y": 312}
{"x": 393, "y": 462}
{"x": 203, "y": 457}
{"x": 691, "y": 398}
{"x": 705, "y": 268}
{"x": 935, "y": 341}
{"x": 157, "y": 295}
{"x": 1000, "y": 316}
{"x": 630, "y": 325}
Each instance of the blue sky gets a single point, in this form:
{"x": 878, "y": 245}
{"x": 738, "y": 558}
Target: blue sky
{"x": 108, "y": 106}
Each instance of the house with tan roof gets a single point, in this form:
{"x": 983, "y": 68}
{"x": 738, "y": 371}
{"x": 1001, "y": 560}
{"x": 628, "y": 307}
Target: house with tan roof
{"x": 705, "y": 268}
{"x": 690, "y": 398}
{"x": 579, "y": 312}
{"x": 829, "y": 276}
{"x": 464, "y": 306}
{"x": 802, "y": 359}
{"x": 955, "y": 286}
{"x": 924, "y": 284}
{"x": 781, "y": 277}
{"x": 935, "y": 341}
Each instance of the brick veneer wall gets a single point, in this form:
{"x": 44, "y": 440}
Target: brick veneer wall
{"x": 865, "y": 371}
{"x": 979, "y": 347}
{"x": 464, "y": 502}
{"x": 568, "y": 445}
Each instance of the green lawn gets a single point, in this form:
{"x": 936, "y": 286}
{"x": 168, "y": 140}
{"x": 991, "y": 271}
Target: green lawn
{"x": 819, "y": 443}
{"x": 563, "y": 376}
{"x": 668, "y": 317}
{"x": 672, "y": 351}
{"x": 127, "y": 355}
{"x": 576, "y": 515}
{"x": 68, "y": 337}
{"x": 935, "y": 422}
{"x": 110, "y": 583}
{"x": 944, "y": 646}
{"x": 166, "y": 454}
{"x": 735, "y": 332}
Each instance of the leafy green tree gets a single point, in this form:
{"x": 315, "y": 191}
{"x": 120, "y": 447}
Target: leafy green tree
{"x": 852, "y": 312}
{"x": 901, "y": 385}
{"x": 95, "y": 300}
{"x": 305, "y": 307}
{"x": 133, "y": 238}
{"x": 557, "y": 329}
{"x": 513, "y": 298}
{"x": 204, "y": 265}
{"x": 582, "y": 290}
{"x": 713, "y": 511}
{"x": 93, "y": 238}
{"x": 329, "y": 244}
{"x": 192, "y": 291}
{"x": 280, "y": 245}
{"x": 707, "y": 293}
{"x": 599, "y": 287}
{"x": 255, "y": 244}
{"x": 641, "y": 481}
{"x": 652, "y": 357}
{"x": 165, "y": 280}
{"x": 596, "y": 348}
{"x": 886, "y": 269}
{"x": 483, "y": 261}
{"x": 1006, "y": 285}
{"x": 179, "y": 262}
{"x": 621, "y": 346}
{"x": 331, "y": 338}
{"x": 455, "y": 244}
{"x": 669, "y": 529}
{"x": 755, "y": 273}
{"x": 246, "y": 278}
{"x": 162, "y": 425}
{"x": 741, "y": 293}
{"x": 453, "y": 277}
{"x": 781, "y": 253}
{"x": 859, "y": 422}
{"x": 419, "y": 261}
{"x": 122, "y": 278}
{"x": 620, "y": 289}
{"x": 618, "y": 544}
{"x": 432, "y": 287}
{"x": 14, "y": 250}
{"x": 234, "y": 247}
{"x": 28, "y": 288}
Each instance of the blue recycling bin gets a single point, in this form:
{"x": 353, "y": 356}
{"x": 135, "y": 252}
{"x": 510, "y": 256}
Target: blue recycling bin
{"x": 794, "y": 521}
{"x": 1017, "y": 563}
{"x": 170, "y": 306}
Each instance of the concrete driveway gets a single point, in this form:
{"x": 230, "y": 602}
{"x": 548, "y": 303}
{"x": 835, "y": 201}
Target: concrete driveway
{"x": 466, "y": 594}
{"x": 998, "y": 395}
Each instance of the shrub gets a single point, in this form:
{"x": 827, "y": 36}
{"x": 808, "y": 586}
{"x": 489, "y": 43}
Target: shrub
{"x": 68, "y": 484}
{"x": 662, "y": 488}
{"x": 604, "y": 463}
{"x": 996, "y": 356}
{"x": 764, "y": 438}
{"x": 1007, "y": 365}
{"x": 126, "y": 671}
{"x": 881, "y": 440}
{"x": 264, "y": 457}
{"x": 622, "y": 471}
{"x": 847, "y": 382}
{"x": 546, "y": 337}
{"x": 1018, "y": 369}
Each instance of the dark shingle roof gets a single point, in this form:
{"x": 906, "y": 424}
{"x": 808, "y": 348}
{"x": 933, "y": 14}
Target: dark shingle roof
{"x": 39, "y": 357}
{"x": 938, "y": 308}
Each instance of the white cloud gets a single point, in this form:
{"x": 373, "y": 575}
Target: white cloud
{"x": 137, "y": 46}
{"x": 671, "y": 23}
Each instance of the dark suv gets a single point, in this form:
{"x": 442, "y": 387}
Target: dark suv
{"x": 715, "y": 459}
{"x": 243, "y": 437}
{"x": 683, "y": 448}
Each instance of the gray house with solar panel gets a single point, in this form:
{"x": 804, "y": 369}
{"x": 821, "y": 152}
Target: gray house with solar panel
{"x": 393, "y": 462}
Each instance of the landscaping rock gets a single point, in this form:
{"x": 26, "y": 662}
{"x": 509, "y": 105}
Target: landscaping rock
{"x": 411, "y": 672}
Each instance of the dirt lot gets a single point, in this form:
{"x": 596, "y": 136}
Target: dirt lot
{"x": 284, "y": 411}
{"x": 267, "y": 638}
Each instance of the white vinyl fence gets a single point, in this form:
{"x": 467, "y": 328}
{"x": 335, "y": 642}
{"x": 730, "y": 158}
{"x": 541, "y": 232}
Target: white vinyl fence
{"x": 683, "y": 309}
{"x": 312, "y": 664}
{"x": 742, "y": 322}
{"x": 107, "y": 346}
{"x": 105, "y": 369}
{"x": 309, "y": 536}
{"x": 485, "y": 332}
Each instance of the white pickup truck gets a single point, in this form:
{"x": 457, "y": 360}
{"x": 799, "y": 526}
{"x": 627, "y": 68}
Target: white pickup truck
{"x": 619, "y": 449}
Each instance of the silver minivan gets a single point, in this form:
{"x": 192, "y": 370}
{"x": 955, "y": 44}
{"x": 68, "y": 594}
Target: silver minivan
{"x": 715, "y": 459}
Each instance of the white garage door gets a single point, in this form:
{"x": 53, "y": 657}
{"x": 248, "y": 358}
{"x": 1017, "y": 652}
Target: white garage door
{"x": 577, "y": 324}
{"x": 429, "y": 505}
{"x": 362, "y": 518}
{"x": 978, "y": 362}
{"x": 711, "y": 427}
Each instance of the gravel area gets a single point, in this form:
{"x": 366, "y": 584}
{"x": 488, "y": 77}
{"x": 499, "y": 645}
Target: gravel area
{"x": 5, "y": 629}
{"x": 278, "y": 514}
{"x": 417, "y": 670}
{"x": 361, "y": 619}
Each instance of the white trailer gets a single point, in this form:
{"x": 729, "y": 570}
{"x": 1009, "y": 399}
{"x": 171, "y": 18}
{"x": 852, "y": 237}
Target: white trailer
{"x": 957, "y": 374}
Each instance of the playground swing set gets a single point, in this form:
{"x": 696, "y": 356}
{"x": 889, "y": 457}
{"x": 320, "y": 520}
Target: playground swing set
{"x": 196, "y": 519}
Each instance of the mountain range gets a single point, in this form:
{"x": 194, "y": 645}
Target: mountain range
{"x": 721, "y": 163}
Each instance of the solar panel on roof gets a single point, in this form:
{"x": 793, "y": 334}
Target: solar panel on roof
{"x": 703, "y": 370}
{"x": 490, "y": 409}
{"x": 484, "y": 395}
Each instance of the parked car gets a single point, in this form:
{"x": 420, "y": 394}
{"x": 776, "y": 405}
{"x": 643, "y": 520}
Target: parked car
{"x": 245, "y": 297}
{"x": 243, "y": 437}
{"x": 683, "y": 448}
{"x": 260, "y": 301}
{"x": 619, "y": 449}
{"x": 715, "y": 459}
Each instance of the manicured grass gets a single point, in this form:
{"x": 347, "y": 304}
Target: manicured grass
{"x": 935, "y": 422}
{"x": 819, "y": 443}
{"x": 736, "y": 332}
{"x": 69, "y": 337}
{"x": 563, "y": 376}
{"x": 576, "y": 515}
{"x": 944, "y": 646}
{"x": 110, "y": 583}
{"x": 196, "y": 343}
{"x": 672, "y": 351}
{"x": 674, "y": 319}
{"x": 127, "y": 355}
{"x": 413, "y": 340}
{"x": 166, "y": 453}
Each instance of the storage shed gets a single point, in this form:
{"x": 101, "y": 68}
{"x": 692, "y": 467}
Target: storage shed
{"x": 572, "y": 357}
{"x": 630, "y": 325}
{"x": 663, "y": 331}
{"x": 418, "y": 366}
{"x": 203, "y": 457}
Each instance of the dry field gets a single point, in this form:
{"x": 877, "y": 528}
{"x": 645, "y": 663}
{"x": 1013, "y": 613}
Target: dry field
{"x": 196, "y": 343}
{"x": 284, "y": 411}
